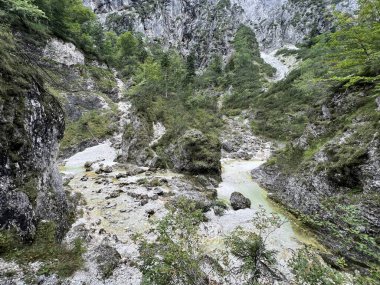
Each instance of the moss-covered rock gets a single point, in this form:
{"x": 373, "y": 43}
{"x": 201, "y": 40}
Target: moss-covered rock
{"x": 196, "y": 153}
{"x": 107, "y": 258}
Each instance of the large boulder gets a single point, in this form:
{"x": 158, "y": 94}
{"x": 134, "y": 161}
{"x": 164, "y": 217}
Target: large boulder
{"x": 196, "y": 153}
{"x": 238, "y": 201}
{"x": 135, "y": 143}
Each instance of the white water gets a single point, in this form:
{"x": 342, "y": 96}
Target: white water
{"x": 159, "y": 131}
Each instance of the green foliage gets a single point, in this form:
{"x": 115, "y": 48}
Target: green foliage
{"x": 308, "y": 269}
{"x": 129, "y": 51}
{"x": 179, "y": 255}
{"x": 174, "y": 257}
{"x": 92, "y": 125}
{"x": 55, "y": 257}
{"x": 7, "y": 241}
{"x": 16, "y": 74}
{"x": 354, "y": 47}
{"x": 30, "y": 188}
{"x": 163, "y": 93}
{"x": 104, "y": 79}
{"x": 344, "y": 59}
{"x": 213, "y": 76}
{"x": 190, "y": 67}
{"x": 70, "y": 20}
{"x": 245, "y": 71}
{"x": 250, "y": 248}
{"x": 20, "y": 11}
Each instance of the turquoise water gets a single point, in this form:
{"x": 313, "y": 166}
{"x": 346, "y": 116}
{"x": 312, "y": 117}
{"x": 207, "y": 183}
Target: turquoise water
{"x": 236, "y": 177}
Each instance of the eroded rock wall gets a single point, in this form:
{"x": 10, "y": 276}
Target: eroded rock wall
{"x": 30, "y": 186}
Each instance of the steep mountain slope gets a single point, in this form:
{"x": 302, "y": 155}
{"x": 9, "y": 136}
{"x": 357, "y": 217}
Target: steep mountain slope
{"x": 207, "y": 27}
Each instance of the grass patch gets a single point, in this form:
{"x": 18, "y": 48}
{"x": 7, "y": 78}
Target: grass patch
{"x": 56, "y": 257}
{"x": 92, "y": 125}
{"x": 103, "y": 78}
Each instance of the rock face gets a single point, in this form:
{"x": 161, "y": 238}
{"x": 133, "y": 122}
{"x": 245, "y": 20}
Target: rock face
{"x": 209, "y": 26}
{"x": 334, "y": 186}
{"x": 238, "y": 141}
{"x": 238, "y": 201}
{"x": 135, "y": 143}
{"x": 31, "y": 124}
{"x": 64, "y": 53}
{"x": 87, "y": 90}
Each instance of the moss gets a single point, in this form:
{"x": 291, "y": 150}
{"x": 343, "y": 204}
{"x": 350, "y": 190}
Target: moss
{"x": 7, "y": 241}
{"x": 316, "y": 147}
{"x": 199, "y": 153}
{"x": 103, "y": 78}
{"x": 55, "y": 257}
{"x": 142, "y": 181}
{"x": 30, "y": 188}
{"x": 93, "y": 125}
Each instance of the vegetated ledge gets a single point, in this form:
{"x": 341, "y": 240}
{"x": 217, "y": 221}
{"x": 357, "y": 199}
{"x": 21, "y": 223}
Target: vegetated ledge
{"x": 345, "y": 220}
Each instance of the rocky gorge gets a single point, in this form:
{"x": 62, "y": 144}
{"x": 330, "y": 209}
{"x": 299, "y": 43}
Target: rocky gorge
{"x": 185, "y": 110}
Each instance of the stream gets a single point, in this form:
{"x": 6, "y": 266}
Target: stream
{"x": 236, "y": 177}
{"x": 123, "y": 216}
{"x": 117, "y": 207}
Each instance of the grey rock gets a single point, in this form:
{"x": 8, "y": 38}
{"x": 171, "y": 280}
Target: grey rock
{"x": 30, "y": 184}
{"x": 107, "y": 258}
{"x": 181, "y": 24}
{"x": 107, "y": 169}
{"x": 64, "y": 53}
{"x": 66, "y": 179}
{"x": 158, "y": 191}
{"x": 121, "y": 175}
{"x": 326, "y": 112}
{"x": 104, "y": 169}
{"x": 238, "y": 201}
{"x": 88, "y": 166}
{"x": 228, "y": 146}
{"x": 114, "y": 194}
{"x": 150, "y": 212}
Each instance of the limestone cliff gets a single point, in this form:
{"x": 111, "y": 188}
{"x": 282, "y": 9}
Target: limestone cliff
{"x": 207, "y": 27}
{"x": 31, "y": 125}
